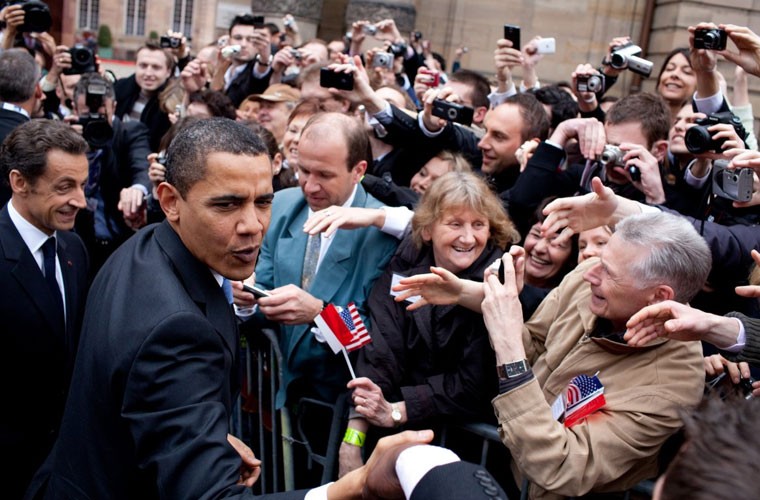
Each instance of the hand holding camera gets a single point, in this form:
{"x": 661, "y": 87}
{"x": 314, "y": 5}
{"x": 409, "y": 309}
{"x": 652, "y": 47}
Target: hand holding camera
{"x": 82, "y": 61}
{"x": 709, "y": 134}
{"x": 387, "y": 30}
{"x": 505, "y": 57}
{"x": 587, "y": 83}
{"x": 748, "y": 45}
{"x": 627, "y": 56}
{"x": 704, "y": 59}
{"x": 26, "y": 16}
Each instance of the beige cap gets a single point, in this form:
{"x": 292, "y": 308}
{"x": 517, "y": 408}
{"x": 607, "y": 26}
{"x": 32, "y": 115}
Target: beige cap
{"x": 279, "y": 92}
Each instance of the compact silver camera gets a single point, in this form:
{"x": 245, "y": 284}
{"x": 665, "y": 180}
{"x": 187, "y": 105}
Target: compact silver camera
{"x": 590, "y": 83}
{"x": 732, "y": 184}
{"x": 612, "y": 156}
{"x": 382, "y": 60}
{"x": 369, "y": 29}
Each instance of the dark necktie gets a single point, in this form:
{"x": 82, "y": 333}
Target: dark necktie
{"x": 48, "y": 258}
{"x": 310, "y": 260}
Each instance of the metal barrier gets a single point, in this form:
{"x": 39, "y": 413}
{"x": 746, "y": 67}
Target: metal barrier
{"x": 257, "y": 421}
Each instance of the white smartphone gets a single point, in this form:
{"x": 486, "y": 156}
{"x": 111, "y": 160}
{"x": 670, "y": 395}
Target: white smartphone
{"x": 546, "y": 46}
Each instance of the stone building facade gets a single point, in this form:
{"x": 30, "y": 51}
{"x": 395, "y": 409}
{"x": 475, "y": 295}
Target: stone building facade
{"x": 582, "y": 28}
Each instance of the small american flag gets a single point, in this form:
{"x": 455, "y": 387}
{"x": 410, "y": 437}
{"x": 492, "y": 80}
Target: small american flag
{"x": 584, "y": 395}
{"x": 359, "y": 334}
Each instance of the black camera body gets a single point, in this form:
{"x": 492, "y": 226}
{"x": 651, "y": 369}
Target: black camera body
{"x": 710, "y": 39}
{"x": 612, "y": 156}
{"x": 336, "y": 80}
{"x": 699, "y": 140}
{"x": 453, "y": 112}
{"x": 82, "y": 61}
{"x": 169, "y": 42}
{"x": 732, "y": 184}
{"x": 590, "y": 83}
{"x": 37, "y": 18}
{"x": 95, "y": 129}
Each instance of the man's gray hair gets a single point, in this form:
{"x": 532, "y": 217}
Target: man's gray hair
{"x": 19, "y": 74}
{"x": 678, "y": 256}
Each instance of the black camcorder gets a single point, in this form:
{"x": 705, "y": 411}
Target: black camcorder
{"x": 82, "y": 61}
{"x": 699, "y": 140}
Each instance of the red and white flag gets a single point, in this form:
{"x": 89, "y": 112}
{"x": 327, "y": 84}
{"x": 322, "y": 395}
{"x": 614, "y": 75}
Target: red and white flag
{"x": 584, "y": 395}
{"x": 344, "y": 329}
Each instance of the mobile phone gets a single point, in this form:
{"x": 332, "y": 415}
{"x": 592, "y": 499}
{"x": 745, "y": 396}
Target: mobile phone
{"x": 256, "y": 292}
{"x": 453, "y": 112}
{"x": 512, "y": 33}
{"x": 336, "y": 80}
{"x": 258, "y": 20}
{"x": 546, "y": 46}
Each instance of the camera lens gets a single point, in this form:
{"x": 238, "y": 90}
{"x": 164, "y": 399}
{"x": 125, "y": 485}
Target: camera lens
{"x": 97, "y": 133}
{"x": 697, "y": 139}
{"x": 618, "y": 61}
{"x": 452, "y": 113}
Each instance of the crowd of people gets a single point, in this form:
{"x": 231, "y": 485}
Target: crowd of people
{"x": 574, "y": 268}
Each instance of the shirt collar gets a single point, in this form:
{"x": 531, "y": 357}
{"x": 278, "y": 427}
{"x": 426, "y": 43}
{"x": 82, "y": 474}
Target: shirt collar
{"x": 17, "y": 109}
{"x": 218, "y": 277}
{"x": 33, "y": 237}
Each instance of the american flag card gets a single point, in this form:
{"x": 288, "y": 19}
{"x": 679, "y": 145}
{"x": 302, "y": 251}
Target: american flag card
{"x": 583, "y": 396}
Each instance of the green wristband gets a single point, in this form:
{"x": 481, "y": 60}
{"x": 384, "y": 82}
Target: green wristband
{"x": 354, "y": 437}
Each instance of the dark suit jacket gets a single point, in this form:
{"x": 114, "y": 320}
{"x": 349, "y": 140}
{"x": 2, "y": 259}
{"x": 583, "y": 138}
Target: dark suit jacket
{"x": 8, "y": 121}
{"x": 457, "y": 480}
{"x": 122, "y": 165}
{"x": 154, "y": 383}
{"x": 37, "y": 354}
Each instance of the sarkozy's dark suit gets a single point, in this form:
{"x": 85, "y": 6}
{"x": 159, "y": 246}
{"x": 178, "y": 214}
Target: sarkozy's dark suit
{"x": 37, "y": 351}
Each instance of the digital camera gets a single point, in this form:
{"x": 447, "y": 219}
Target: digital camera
{"x": 382, "y": 60}
{"x": 96, "y": 129}
{"x": 590, "y": 83}
{"x": 37, "y": 18}
{"x": 369, "y": 29}
{"x": 336, "y": 80}
{"x": 732, "y": 184}
{"x": 82, "y": 61}
{"x": 453, "y": 112}
{"x": 627, "y": 57}
{"x": 699, "y": 140}
{"x": 710, "y": 39}
{"x": 170, "y": 42}
{"x": 297, "y": 55}
{"x": 612, "y": 156}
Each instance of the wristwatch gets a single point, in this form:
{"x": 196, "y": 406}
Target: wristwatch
{"x": 395, "y": 414}
{"x": 259, "y": 61}
{"x": 513, "y": 369}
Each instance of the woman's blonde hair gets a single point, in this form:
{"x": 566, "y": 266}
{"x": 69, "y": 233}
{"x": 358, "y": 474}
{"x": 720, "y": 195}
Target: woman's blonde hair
{"x": 463, "y": 190}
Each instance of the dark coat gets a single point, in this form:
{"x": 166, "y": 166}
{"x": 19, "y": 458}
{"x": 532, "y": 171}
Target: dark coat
{"x": 127, "y": 91}
{"x": 438, "y": 359}
{"x": 38, "y": 353}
